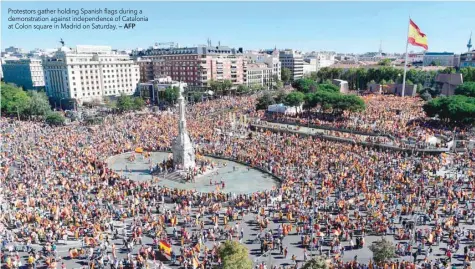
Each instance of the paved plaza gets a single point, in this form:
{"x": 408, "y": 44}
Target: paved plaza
{"x": 237, "y": 178}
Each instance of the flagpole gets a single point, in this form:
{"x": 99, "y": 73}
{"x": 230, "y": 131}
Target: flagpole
{"x": 405, "y": 61}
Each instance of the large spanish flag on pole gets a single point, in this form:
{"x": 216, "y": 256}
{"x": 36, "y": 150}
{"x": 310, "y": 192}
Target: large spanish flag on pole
{"x": 416, "y": 37}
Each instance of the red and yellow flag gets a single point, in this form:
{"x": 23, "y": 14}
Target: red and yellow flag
{"x": 416, "y": 37}
{"x": 196, "y": 263}
{"x": 165, "y": 247}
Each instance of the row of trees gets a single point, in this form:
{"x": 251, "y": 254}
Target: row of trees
{"x": 127, "y": 103}
{"x": 459, "y": 108}
{"x": 312, "y": 95}
{"x": 21, "y": 104}
{"x": 359, "y": 78}
{"x": 235, "y": 255}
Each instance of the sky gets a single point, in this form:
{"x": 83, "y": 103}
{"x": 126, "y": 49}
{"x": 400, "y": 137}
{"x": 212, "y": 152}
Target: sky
{"x": 349, "y": 27}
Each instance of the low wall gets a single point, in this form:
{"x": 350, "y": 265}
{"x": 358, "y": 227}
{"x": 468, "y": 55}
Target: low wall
{"x": 343, "y": 130}
{"x": 347, "y": 140}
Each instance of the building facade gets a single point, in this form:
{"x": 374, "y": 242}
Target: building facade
{"x": 415, "y": 57}
{"x": 293, "y": 61}
{"x": 262, "y": 68}
{"x": 271, "y": 59}
{"x": 145, "y": 69}
{"x": 27, "y": 73}
{"x": 88, "y": 73}
{"x": 153, "y": 90}
{"x": 310, "y": 65}
{"x": 439, "y": 59}
{"x": 259, "y": 74}
{"x": 467, "y": 59}
{"x": 196, "y": 65}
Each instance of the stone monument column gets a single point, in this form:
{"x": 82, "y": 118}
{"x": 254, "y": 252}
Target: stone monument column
{"x": 183, "y": 149}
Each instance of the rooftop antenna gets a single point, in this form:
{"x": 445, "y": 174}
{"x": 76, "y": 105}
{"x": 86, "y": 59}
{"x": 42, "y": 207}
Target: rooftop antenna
{"x": 380, "y": 47}
{"x": 469, "y": 45}
{"x": 219, "y": 43}
{"x": 62, "y": 42}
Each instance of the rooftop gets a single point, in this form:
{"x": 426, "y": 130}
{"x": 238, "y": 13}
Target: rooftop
{"x": 439, "y": 53}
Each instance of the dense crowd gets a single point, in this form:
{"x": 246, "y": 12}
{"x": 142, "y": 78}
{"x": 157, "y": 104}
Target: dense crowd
{"x": 56, "y": 186}
{"x": 401, "y": 118}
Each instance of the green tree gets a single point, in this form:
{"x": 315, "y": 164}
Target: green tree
{"x": 265, "y": 101}
{"x": 216, "y": 87}
{"x": 277, "y": 83}
{"x": 279, "y": 97}
{"x": 234, "y": 255}
{"x": 15, "y": 101}
{"x": 328, "y": 87}
{"x": 110, "y": 103}
{"x": 38, "y": 104}
{"x": 426, "y": 96}
{"x": 294, "y": 99}
{"x": 316, "y": 263}
{"x": 172, "y": 94}
{"x": 313, "y": 76}
{"x": 419, "y": 87}
{"x": 305, "y": 85}
{"x": 468, "y": 74}
{"x": 55, "y": 118}
{"x": 285, "y": 74}
{"x": 383, "y": 251}
{"x": 243, "y": 89}
{"x": 385, "y": 62}
{"x": 467, "y": 89}
{"x": 196, "y": 97}
{"x": 449, "y": 70}
{"x": 455, "y": 109}
{"x": 226, "y": 85}
{"x": 139, "y": 103}
{"x": 125, "y": 103}
{"x": 257, "y": 88}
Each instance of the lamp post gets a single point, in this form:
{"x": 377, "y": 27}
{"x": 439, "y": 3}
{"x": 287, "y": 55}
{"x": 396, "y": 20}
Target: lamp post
{"x": 60, "y": 103}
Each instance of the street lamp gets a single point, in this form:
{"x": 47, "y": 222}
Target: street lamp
{"x": 60, "y": 102}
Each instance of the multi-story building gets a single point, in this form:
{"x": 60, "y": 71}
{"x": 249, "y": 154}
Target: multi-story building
{"x": 263, "y": 67}
{"x": 88, "y": 73}
{"x": 415, "y": 57}
{"x": 259, "y": 74}
{"x": 293, "y": 61}
{"x": 146, "y": 69}
{"x": 467, "y": 59}
{"x": 13, "y": 52}
{"x": 270, "y": 58}
{"x": 439, "y": 59}
{"x": 153, "y": 90}
{"x": 310, "y": 65}
{"x": 27, "y": 73}
{"x": 196, "y": 65}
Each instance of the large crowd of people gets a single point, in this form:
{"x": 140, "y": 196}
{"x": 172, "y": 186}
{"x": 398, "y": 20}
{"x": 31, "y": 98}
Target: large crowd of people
{"x": 56, "y": 186}
{"x": 402, "y": 119}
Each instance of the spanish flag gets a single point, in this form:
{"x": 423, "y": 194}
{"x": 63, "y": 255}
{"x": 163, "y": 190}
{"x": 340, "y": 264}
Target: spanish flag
{"x": 197, "y": 247}
{"x": 416, "y": 37}
{"x": 165, "y": 247}
{"x": 196, "y": 263}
